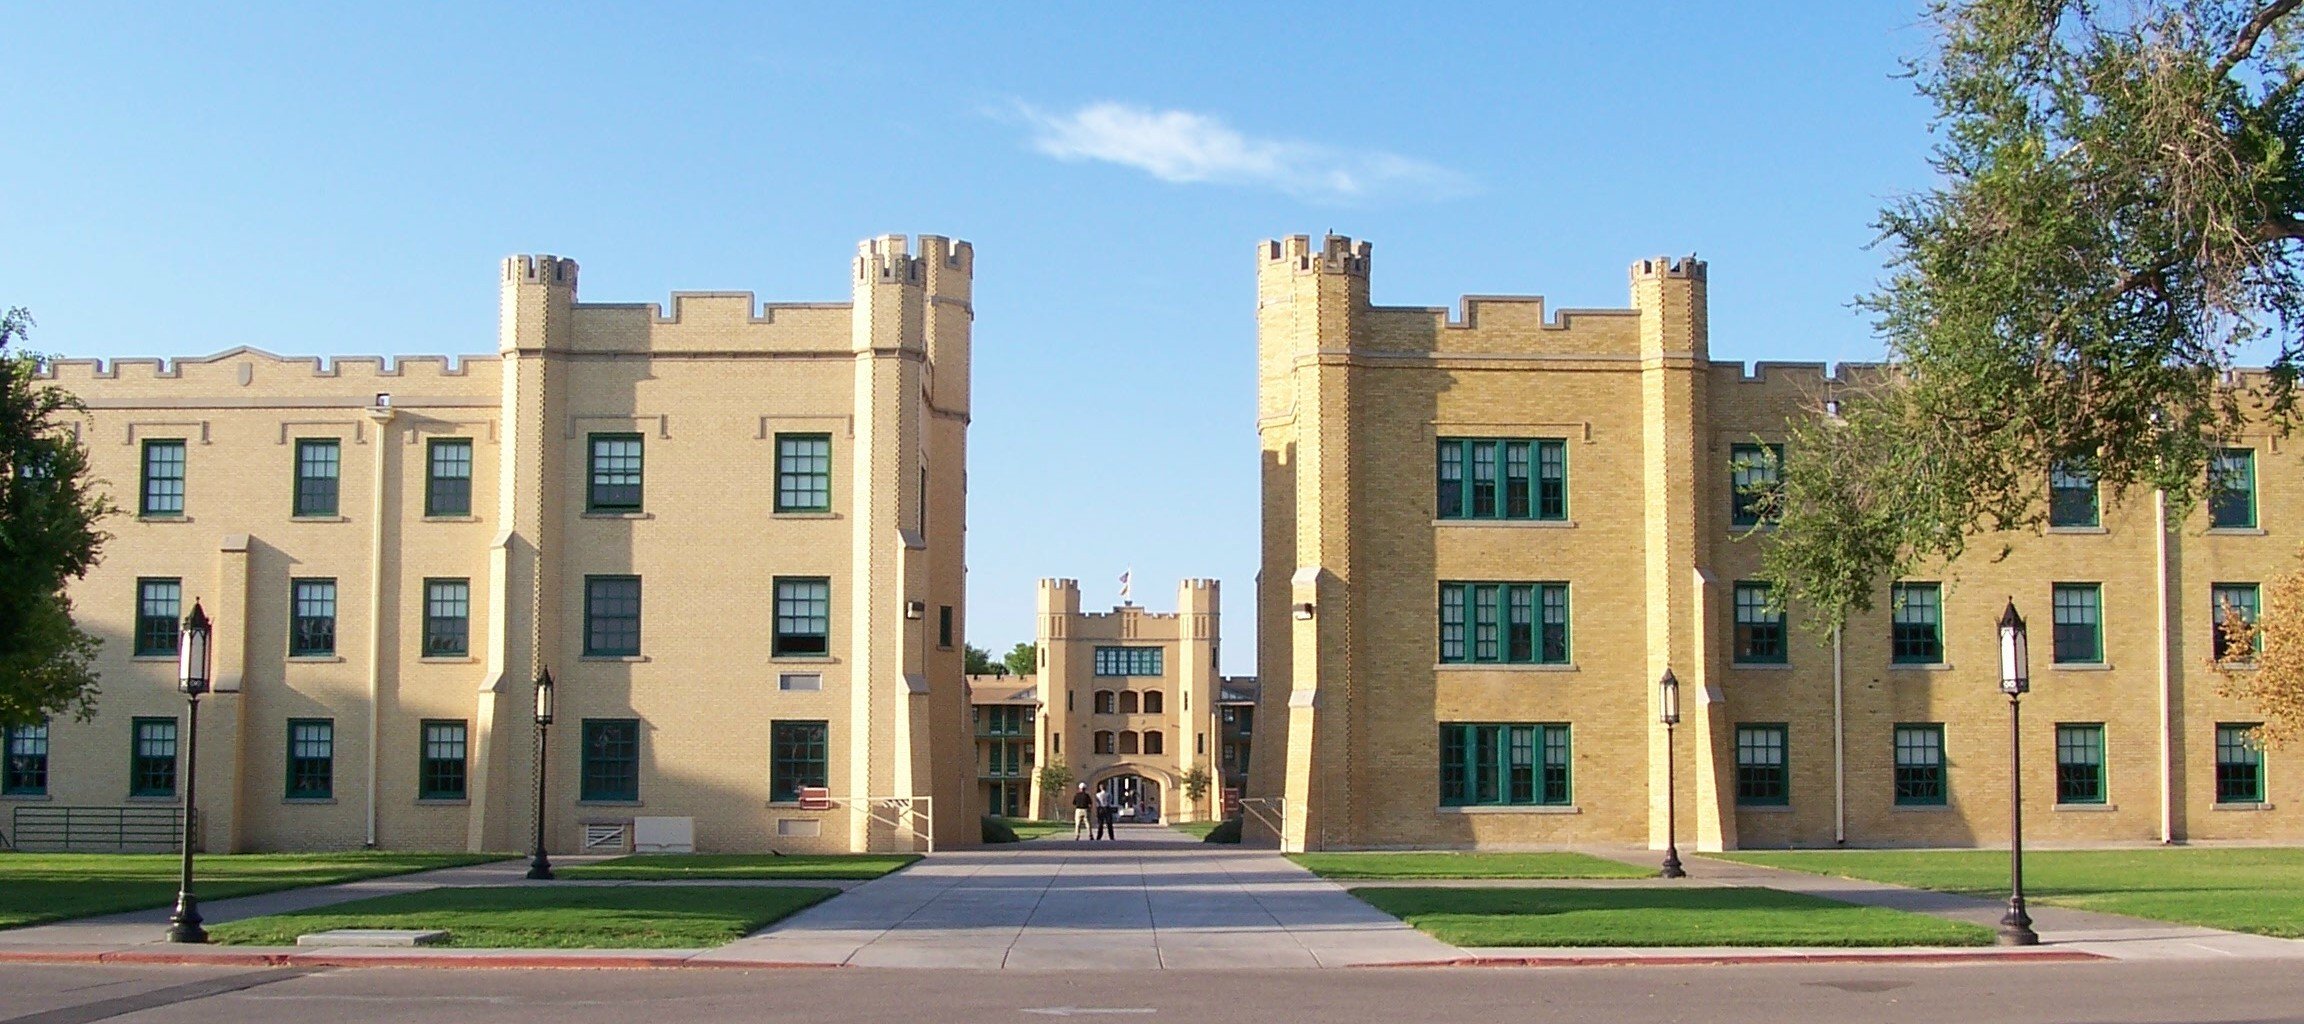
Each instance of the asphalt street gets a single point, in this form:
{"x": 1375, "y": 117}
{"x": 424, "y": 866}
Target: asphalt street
{"x": 2098, "y": 993}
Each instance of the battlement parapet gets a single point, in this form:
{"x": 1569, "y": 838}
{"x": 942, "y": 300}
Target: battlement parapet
{"x": 888, "y": 260}
{"x": 542, "y": 269}
{"x": 1800, "y": 374}
{"x": 239, "y": 365}
{"x": 1687, "y": 268}
{"x": 1337, "y": 254}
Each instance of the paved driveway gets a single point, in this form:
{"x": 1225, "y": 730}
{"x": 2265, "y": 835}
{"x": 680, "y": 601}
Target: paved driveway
{"x": 1152, "y": 899}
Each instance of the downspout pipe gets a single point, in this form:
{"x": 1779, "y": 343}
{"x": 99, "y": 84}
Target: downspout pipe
{"x": 378, "y": 595}
{"x": 1839, "y": 742}
{"x": 2167, "y": 672}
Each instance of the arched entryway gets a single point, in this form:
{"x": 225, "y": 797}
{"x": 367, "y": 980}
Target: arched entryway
{"x": 1137, "y": 796}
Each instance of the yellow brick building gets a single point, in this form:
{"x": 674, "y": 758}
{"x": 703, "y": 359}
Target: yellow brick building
{"x": 1488, "y": 533}
{"x": 731, "y": 532}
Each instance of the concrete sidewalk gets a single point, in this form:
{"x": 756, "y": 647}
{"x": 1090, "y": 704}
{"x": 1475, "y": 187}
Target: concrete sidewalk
{"x": 1154, "y": 899}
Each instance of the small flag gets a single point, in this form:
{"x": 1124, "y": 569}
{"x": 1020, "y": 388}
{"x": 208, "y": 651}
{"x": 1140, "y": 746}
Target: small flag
{"x": 1124, "y": 584}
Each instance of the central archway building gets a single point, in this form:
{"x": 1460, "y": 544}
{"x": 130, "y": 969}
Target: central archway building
{"x": 1487, "y": 536}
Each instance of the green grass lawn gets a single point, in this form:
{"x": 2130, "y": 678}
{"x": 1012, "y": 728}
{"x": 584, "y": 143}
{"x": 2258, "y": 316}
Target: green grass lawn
{"x": 1465, "y": 865}
{"x": 2258, "y": 890}
{"x": 1660, "y": 917}
{"x": 1028, "y": 829}
{"x": 1195, "y": 829}
{"x": 544, "y": 917}
{"x": 669, "y": 867}
{"x": 40, "y": 887}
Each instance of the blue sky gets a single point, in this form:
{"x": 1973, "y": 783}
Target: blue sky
{"x": 341, "y": 179}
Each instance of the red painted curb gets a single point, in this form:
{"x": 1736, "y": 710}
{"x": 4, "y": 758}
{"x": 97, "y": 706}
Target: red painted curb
{"x": 605, "y": 961}
{"x": 1740, "y": 959}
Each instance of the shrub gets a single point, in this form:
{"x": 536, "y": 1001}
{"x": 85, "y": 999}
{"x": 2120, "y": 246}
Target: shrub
{"x": 1226, "y": 832}
{"x": 997, "y": 831}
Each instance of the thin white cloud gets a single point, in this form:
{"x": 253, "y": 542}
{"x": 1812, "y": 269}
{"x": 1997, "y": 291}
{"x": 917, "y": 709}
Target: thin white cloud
{"x": 1184, "y": 147}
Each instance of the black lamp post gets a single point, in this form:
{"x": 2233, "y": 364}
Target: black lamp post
{"x": 192, "y": 680}
{"x": 540, "y": 866}
{"x": 1669, "y": 712}
{"x": 2015, "y": 679}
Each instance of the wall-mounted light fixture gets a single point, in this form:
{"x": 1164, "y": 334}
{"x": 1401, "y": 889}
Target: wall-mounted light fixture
{"x": 1304, "y": 609}
{"x": 915, "y": 609}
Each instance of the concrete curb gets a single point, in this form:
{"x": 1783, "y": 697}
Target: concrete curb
{"x": 2028, "y": 956}
{"x": 511, "y": 960}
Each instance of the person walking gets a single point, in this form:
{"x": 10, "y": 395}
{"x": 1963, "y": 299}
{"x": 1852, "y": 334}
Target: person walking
{"x": 1083, "y": 813}
{"x": 1106, "y": 810}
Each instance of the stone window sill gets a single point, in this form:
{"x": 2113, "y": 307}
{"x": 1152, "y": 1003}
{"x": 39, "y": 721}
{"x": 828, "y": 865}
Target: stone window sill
{"x": 2237, "y": 531}
{"x": 2082, "y": 666}
{"x": 158, "y": 518}
{"x": 315, "y": 659}
{"x": 156, "y": 658}
{"x": 1764, "y": 808}
{"x": 1489, "y": 666}
{"x": 610, "y": 803}
{"x": 451, "y": 519}
{"x": 619, "y": 515}
{"x": 1944, "y": 808}
{"x": 442, "y": 801}
{"x": 2088, "y": 808}
{"x": 151, "y": 798}
{"x": 322, "y": 800}
{"x": 1913, "y": 666}
{"x": 449, "y": 660}
{"x": 825, "y": 514}
{"x": 1514, "y": 524}
{"x": 626, "y": 658}
{"x": 1515, "y": 809}
{"x": 2241, "y": 807}
{"x": 1761, "y": 666}
{"x": 26, "y": 796}
{"x": 803, "y": 659}
{"x": 2077, "y": 531}
{"x": 319, "y": 519}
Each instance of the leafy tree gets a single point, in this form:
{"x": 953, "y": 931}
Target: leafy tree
{"x": 2117, "y": 224}
{"x": 48, "y": 535}
{"x": 1023, "y": 660}
{"x": 977, "y": 661}
{"x": 2263, "y": 661}
{"x": 1195, "y": 782}
{"x": 1055, "y": 779}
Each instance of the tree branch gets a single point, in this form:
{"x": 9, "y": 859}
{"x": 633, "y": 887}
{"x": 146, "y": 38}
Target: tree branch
{"x": 2245, "y": 43}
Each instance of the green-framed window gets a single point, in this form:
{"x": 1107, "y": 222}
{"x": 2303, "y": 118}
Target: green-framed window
{"x": 312, "y": 618}
{"x": 159, "y": 602}
{"x": 1504, "y": 623}
{"x": 2079, "y": 621}
{"x": 944, "y": 626}
{"x": 797, "y": 757}
{"x": 1504, "y": 763}
{"x": 2227, "y": 601}
{"x": 2232, "y": 489}
{"x": 1916, "y": 624}
{"x": 803, "y": 616}
{"x": 2072, "y": 497}
{"x": 612, "y": 616}
{"x": 311, "y": 758}
{"x": 612, "y": 482}
{"x": 1763, "y": 773}
{"x": 1128, "y": 661}
{"x": 1503, "y": 478}
{"x": 319, "y": 464}
{"x": 448, "y": 476}
{"x": 1920, "y": 778}
{"x": 611, "y": 759}
{"x": 24, "y": 760}
{"x": 2080, "y": 763}
{"x": 152, "y": 757}
{"x": 441, "y": 759}
{"x": 447, "y": 618}
{"x": 162, "y": 490}
{"x": 2239, "y": 764}
{"x": 1760, "y": 638}
{"x": 1754, "y": 473}
{"x": 803, "y": 472}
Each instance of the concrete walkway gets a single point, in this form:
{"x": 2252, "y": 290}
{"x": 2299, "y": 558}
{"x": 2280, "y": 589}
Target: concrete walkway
{"x": 1153, "y": 899}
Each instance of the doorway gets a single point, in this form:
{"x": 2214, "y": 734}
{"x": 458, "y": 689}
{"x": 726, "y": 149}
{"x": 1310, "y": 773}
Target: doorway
{"x": 1137, "y": 797}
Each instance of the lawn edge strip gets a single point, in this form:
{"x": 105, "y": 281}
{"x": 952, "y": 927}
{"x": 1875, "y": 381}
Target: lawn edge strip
{"x": 1731, "y": 959}
{"x": 517, "y": 960}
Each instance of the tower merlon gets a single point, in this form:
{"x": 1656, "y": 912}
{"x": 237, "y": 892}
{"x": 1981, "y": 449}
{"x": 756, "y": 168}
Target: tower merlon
{"x": 1338, "y": 254}
{"x": 540, "y": 268}
{"x": 888, "y": 259}
{"x": 1686, "y": 267}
